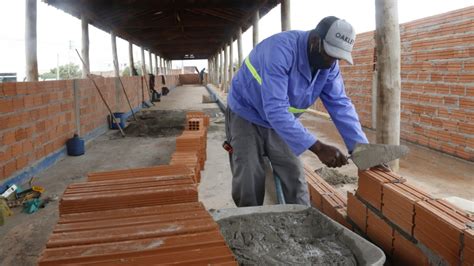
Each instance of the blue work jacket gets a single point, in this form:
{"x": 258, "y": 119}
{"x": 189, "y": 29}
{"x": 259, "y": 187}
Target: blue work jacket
{"x": 274, "y": 86}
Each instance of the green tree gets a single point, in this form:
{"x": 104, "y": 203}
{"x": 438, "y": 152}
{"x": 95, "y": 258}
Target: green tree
{"x": 138, "y": 67}
{"x": 68, "y": 71}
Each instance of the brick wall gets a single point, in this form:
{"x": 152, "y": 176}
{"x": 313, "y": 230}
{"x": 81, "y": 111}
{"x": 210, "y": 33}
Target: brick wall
{"x": 437, "y": 74}
{"x": 189, "y": 79}
{"x": 36, "y": 118}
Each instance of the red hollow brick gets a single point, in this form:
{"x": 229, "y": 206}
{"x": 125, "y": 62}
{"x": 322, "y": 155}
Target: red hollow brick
{"x": 379, "y": 232}
{"x": 357, "y": 211}
{"x": 406, "y": 252}
{"x": 439, "y": 229}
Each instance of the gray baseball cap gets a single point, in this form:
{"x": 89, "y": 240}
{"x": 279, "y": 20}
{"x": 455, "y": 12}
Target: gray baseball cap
{"x": 339, "y": 39}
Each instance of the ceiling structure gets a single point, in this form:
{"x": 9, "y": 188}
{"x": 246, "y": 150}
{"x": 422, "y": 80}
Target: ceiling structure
{"x": 172, "y": 29}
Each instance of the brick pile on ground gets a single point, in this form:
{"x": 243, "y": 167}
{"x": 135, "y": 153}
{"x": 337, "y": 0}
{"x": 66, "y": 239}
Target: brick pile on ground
{"x": 408, "y": 224}
{"x": 191, "y": 145}
{"x": 140, "y": 216}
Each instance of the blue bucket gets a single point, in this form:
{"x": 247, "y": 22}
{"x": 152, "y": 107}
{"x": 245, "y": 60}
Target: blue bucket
{"x": 118, "y": 116}
{"x": 75, "y": 146}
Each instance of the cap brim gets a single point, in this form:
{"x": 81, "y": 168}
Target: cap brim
{"x": 337, "y": 52}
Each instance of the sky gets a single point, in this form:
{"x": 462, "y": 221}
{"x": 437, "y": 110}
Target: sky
{"x": 59, "y": 33}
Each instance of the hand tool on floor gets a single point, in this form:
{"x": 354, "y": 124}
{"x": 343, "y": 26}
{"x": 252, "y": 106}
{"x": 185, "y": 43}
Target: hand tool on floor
{"x": 125, "y": 93}
{"x": 366, "y": 156}
{"x": 146, "y": 83}
{"x": 112, "y": 116}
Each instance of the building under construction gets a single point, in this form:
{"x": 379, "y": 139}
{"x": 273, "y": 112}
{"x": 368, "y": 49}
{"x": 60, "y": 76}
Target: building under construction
{"x": 147, "y": 181}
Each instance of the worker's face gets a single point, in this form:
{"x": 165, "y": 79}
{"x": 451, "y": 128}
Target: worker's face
{"x": 319, "y": 59}
{"x": 327, "y": 60}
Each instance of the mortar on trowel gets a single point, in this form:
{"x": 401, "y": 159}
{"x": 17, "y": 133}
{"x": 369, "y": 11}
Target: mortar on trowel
{"x": 366, "y": 156}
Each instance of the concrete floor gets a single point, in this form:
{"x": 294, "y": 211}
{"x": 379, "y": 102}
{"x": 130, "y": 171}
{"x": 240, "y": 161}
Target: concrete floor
{"x": 439, "y": 174}
{"x": 24, "y": 236}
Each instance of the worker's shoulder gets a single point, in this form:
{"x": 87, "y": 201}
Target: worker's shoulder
{"x": 287, "y": 37}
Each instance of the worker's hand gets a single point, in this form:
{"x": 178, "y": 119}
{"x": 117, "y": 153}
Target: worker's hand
{"x": 329, "y": 155}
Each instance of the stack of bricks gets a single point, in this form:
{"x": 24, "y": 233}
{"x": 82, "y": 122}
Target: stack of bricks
{"x": 136, "y": 216}
{"x": 164, "y": 234}
{"x": 191, "y": 146}
{"x": 401, "y": 219}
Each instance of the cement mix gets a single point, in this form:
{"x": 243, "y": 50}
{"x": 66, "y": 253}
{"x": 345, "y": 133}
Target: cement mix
{"x": 336, "y": 178}
{"x": 303, "y": 237}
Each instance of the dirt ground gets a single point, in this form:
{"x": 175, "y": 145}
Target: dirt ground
{"x": 24, "y": 236}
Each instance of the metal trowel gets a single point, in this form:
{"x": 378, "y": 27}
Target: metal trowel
{"x": 366, "y": 156}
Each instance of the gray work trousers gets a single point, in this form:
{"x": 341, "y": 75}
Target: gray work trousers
{"x": 250, "y": 144}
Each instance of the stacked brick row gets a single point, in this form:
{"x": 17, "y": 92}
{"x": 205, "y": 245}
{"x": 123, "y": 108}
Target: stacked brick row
{"x": 410, "y": 226}
{"x": 400, "y": 217}
{"x": 191, "y": 145}
{"x": 136, "y": 216}
{"x": 37, "y": 118}
{"x": 326, "y": 198}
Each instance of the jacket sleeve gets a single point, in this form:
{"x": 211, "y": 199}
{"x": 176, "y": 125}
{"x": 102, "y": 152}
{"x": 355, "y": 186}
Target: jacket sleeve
{"x": 342, "y": 110}
{"x": 276, "y": 67}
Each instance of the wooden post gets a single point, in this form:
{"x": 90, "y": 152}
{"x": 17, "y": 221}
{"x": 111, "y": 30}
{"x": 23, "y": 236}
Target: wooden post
{"x": 387, "y": 39}
{"x": 130, "y": 59}
{"x": 218, "y": 70}
{"x": 31, "y": 41}
{"x": 285, "y": 15}
{"x": 114, "y": 54}
{"x": 161, "y": 65}
{"x": 151, "y": 62}
{"x": 226, "y": 69}
{"x": 239, "y": 47}
{"x": 221, "y": 70}
{"x": 143, "y": 62}
{"x": 85, "y": 46}
{"x": 255, "y": 20}
{"x": 231, "y": 60}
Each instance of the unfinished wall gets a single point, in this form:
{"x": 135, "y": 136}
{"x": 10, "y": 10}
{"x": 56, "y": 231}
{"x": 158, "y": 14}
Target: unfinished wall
{"x": 408, "y": 224}
{"x": 189, "y": 79}
{"x": 437, "y": 72}
{"x": 36, "y": 118}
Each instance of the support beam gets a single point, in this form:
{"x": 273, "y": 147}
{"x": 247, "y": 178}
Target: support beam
{"x": 387, "y": 39}
{"x": 114, "y": 54}
{"x": 130, "y": 59}
{"x": 85, "y": 46}
{"x": 216, "y": 70}
{"x": 156, "y": 64}
{"x": 151, "y": 62}
{"x": 239, "y": 47}
{"x": 255, "y": 20}
{"x": 143, "y": 66}
{"x": 285, "y": 15}
{"x": 226, "y": 71}
{"x": 161, "y": 65}
{"x": 31, "y": 41}
{"x": 231, "y": 60}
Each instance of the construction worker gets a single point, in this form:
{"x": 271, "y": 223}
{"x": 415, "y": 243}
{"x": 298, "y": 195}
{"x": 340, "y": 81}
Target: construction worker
{"x": 282, "y": 76}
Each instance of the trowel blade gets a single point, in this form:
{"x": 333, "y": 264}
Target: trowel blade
{"x": 370, "y": 155}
